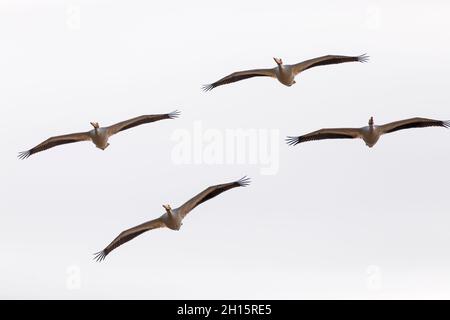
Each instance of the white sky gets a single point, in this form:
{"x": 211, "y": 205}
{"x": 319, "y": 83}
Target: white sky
{"x": 337, "y": 220}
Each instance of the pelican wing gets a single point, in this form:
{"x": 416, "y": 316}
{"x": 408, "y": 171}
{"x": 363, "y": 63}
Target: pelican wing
{"x": 210, "y": 193}
{"x": 241, "y": 75}
{"x": 127, "y": 124}
{"x": 128, "y": 235}
{"x": 337, "y": 133}
{"x": 413, "y": 123}
{"x": 55, "y": 141}
{"x": 329, "y": 59}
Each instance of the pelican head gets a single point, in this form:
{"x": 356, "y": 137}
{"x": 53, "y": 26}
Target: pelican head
{"x": 371, "y": 121}
{"x": 95, "y": 125}
{"x": 278, "y": 61}
{"x": 167, "y": 207}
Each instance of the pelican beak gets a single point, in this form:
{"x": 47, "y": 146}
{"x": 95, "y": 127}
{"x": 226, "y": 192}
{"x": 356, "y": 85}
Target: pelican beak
{"x": 278, "y": 61}
{"x": 95, "y": 125}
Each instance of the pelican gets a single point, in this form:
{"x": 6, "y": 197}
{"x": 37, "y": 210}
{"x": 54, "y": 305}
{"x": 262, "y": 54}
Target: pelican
{"x": 285, "y": 73}
{"x": 99, "y": 135}
{"x": 172, "y": 218}
{"x": 370, "y": 134}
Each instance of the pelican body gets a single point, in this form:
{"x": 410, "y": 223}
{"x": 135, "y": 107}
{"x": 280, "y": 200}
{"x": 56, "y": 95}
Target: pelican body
{"x": 370, "y": 134}
{"x": 172, "y": 218}
{"x": 285, "y": 73}
{"x": 98, "y": 135}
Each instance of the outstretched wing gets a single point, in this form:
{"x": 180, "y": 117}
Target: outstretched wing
{"x": 128, "y": 235}
{"x": 127, "y": 124}
{"x": 55, "y": 141}
{"x": 210, "y": 193}
{"x": 337, "y": 133}
{"x": 413, "y": 123}
{"x": 241, "y": 75}
{"x": 329, "y": 59}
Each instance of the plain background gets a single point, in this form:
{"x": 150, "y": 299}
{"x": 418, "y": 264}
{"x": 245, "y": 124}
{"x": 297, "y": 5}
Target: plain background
{"x": 338, "y": 220}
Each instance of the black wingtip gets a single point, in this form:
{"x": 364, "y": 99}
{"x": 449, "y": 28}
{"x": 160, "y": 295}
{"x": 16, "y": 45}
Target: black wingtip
{"x": 446, "y": 124}
{"x": 244, "y": 181}
{"x": 100, "y": 256}
{"x": 363, "y": 58}
{"x": 292, "y": 141}
{"x": 207, "y": 87}
{"x": 174, "y": 114}
{"x": 24, "y": 154}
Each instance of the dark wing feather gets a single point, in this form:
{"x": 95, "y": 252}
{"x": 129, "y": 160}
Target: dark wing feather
{"x": 413, "y": 123}
{"x": 325, "y": 60}
{"x": 210, "y": 193}
{"x": 55, "y": 141}
{"x": 338, "y": 133}
{"x": 127, "y": 124}
{"x": 240, "y": 75}
{"x": 128, "y": 235}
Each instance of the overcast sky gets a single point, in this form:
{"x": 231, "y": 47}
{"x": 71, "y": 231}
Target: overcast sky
{"x": 331, "y": 219}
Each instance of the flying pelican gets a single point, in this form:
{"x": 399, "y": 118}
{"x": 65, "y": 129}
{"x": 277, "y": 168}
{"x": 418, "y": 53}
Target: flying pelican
{"x": 172, "y": 218}
{"x": 285, "y": 73}
{"x": 370, "y": 134}
{"x": 99, "y": 135}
